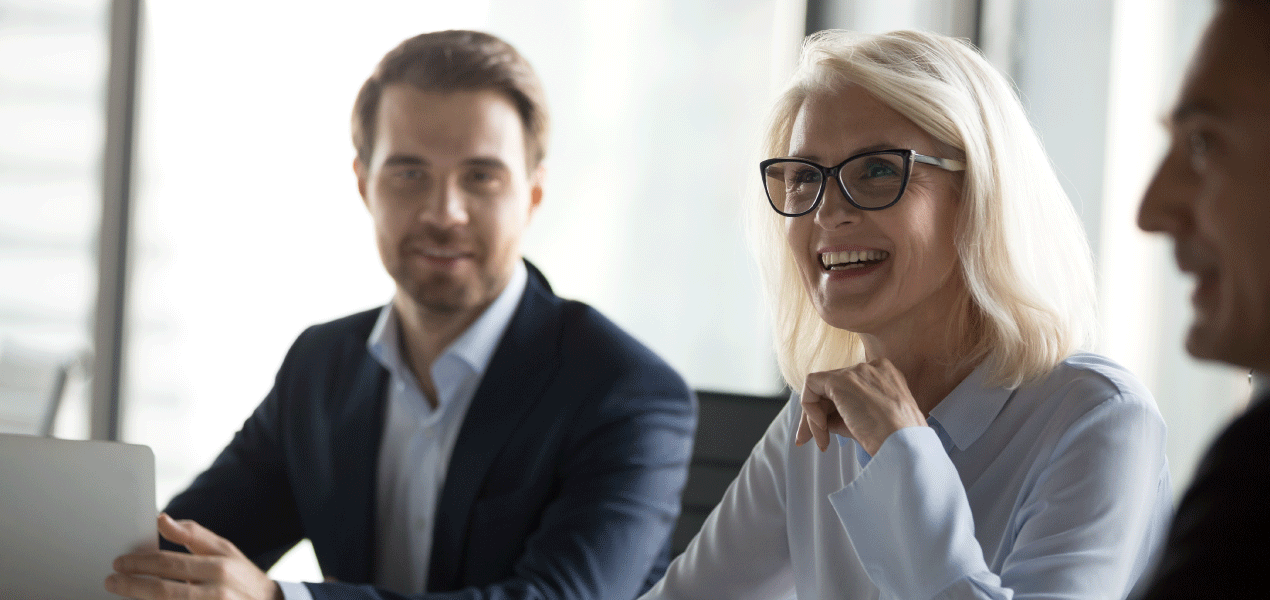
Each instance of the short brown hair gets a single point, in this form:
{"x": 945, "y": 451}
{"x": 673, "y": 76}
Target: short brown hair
{"x": 455, "y": 61}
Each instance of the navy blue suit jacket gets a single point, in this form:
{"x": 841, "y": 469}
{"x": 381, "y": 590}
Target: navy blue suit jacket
{"x": 564, "y": 481}
{"x": 1217, "y": 547}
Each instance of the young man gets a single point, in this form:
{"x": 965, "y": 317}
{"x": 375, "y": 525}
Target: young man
{"x": 478, "y": 437}
{"x": 1212, "y": 196}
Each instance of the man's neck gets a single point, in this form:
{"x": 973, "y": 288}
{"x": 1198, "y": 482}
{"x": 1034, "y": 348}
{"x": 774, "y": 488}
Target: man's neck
{"x": 424, "y": 334}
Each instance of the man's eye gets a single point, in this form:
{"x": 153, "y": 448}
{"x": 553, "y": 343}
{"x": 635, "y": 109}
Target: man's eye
{"x": 1198, "y": 147}
{"x": 484, "y": 181}
{"x": 409, "y": 174}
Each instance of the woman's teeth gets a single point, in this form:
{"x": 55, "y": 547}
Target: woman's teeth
{"x": 851, "y": 259}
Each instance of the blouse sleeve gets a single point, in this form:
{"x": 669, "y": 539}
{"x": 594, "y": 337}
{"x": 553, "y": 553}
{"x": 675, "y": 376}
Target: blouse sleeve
{"x": 1079, "y": 530}
{"x": 742, "y": 550}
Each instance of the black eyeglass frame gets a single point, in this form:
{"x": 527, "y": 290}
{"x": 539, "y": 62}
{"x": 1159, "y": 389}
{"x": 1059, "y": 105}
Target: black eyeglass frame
{"x": 909, "y": 156}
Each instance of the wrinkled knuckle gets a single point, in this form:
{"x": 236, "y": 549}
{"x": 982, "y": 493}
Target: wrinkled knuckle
{"x": 189, "y": 570}
{"x": 130, "y": 586}
{"x": 123, "y": 585}
{"x": 169, "y": 589}
{"x": 168, "y": 564}
{"x": 220, "y": 570}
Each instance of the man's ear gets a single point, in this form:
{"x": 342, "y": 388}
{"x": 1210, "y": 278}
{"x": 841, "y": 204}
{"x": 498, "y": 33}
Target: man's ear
{"x": 535, "y": 190}
{"x": 362, "y": 174}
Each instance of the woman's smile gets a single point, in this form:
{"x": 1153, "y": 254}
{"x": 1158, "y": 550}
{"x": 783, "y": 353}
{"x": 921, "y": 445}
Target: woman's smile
{"x": 868, "y": 270}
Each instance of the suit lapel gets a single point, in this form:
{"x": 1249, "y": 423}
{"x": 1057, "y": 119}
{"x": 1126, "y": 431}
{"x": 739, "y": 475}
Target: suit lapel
{"x": 518, "y": 372}
{"x": 358, "y": 427}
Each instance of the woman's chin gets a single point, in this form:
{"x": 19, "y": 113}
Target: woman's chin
{"x": 844, "y": 318}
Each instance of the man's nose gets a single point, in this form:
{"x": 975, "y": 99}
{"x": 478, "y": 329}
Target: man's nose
{"x": 1163, "y": 203}
{"x": 447, "y": 207}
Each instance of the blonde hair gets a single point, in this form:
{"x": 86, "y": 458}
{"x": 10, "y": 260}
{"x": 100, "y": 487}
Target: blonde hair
{"x": 1023, "y": 255}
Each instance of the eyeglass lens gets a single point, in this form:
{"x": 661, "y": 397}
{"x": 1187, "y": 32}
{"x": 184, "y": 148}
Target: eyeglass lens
{"x": 872, "y": 181}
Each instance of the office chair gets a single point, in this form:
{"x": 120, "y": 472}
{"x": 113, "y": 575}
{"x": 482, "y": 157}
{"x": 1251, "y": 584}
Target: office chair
{"x": 32, "y": 384}
{"x": 728, "y": 427}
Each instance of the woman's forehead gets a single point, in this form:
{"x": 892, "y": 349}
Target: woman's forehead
{"x": 846, "y": 120}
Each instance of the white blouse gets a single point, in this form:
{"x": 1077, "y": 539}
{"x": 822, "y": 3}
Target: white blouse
{"x": 1059, "y": 489}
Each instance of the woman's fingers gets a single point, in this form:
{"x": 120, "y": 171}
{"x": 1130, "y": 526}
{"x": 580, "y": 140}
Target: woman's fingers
{"x": 804, "y": 430}
{"x": 816, "y": 411}
{"x": 866, "y": 402}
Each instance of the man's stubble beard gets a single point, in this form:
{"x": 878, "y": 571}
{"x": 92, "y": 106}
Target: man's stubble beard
{"x": 442, "y": 296}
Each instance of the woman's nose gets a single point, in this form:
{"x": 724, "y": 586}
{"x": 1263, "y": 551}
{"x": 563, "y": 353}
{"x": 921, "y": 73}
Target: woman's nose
{"x": 834, "y": 209}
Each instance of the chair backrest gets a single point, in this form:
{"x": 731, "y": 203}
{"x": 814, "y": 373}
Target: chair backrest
{"x": 728, "y": 427}
{"x": 31, "y": 387}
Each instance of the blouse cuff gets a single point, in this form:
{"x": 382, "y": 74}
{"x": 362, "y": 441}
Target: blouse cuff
{"x": 908, "y": 519}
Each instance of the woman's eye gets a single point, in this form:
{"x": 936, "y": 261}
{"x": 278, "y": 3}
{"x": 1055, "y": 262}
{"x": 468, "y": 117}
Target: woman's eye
{"x": 879, "y": 169}
{"x": 800, "y": 177}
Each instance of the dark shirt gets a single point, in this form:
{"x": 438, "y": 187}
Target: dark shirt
{"x": 1219, "y": 546}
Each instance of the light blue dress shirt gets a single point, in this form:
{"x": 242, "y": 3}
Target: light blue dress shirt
{"x": 1057, "y": 490}
{"x": 418, "y": 440}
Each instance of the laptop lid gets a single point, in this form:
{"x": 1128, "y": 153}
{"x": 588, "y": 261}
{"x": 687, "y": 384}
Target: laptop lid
{"x": 67, "y": 509}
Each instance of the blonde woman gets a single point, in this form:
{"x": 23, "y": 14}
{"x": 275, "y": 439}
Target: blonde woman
{"x": 931, "y": 290}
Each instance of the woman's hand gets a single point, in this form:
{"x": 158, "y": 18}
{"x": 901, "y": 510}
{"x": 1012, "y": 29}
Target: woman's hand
{"x": 866, "y": 402}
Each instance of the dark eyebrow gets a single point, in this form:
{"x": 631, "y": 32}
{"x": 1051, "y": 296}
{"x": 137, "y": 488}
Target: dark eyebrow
{"x": 492, "y": 163}
{"x": 410, "y": 160}
{"x": 1188, "y": 110}
{"x": 395, "y": 160}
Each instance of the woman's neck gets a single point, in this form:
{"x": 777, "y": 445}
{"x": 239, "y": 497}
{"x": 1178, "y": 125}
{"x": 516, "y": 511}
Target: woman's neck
{"x": 929, "y": 356}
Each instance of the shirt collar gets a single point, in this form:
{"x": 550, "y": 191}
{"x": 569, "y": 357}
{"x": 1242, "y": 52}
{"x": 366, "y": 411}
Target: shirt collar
{"x": 971, "y": 407}
{"x": 475, "y": 346}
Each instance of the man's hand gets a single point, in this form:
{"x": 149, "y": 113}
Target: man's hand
{"x": 866, "y": 402}
{"x": 216, "y": 569}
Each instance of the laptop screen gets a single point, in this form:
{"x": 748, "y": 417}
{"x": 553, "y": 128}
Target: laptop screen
{"x": 69, "y": 508}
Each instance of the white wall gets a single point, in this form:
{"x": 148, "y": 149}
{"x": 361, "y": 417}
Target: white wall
{"x": 249, "y": 227}
{"x": 1097, "y": 76}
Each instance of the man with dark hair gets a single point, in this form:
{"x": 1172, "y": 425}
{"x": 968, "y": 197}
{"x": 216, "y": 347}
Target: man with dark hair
{"x": 476, "y": 438}
{"x": 1212, "y": 196}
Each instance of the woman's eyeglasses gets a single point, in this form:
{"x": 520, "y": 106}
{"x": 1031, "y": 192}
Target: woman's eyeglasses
{"x": 869, "y": 181}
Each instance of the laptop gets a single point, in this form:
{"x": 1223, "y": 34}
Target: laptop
{"x": 67, "y": 509}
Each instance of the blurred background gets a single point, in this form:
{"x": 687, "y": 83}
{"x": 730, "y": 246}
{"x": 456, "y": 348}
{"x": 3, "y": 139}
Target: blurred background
{"x": 178, "y": 201}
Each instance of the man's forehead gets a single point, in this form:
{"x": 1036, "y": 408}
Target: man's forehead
{"x": 459, "y": 124}
{"x": 1230, "y": 75}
